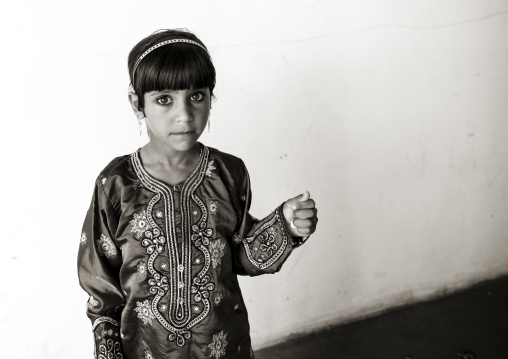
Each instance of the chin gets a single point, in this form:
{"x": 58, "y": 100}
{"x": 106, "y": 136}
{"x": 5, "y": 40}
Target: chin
{"x": 184, "y": 146}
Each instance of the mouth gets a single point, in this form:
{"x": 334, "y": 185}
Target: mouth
{"x": 183, "y": 133}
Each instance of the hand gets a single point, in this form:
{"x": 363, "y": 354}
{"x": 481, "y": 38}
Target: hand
{"x": 302, "y": 213}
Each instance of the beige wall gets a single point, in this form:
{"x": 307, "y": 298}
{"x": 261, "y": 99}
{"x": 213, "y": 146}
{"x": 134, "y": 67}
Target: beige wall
{"x": 393, "y": 114}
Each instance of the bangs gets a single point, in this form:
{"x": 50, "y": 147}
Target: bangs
{"x": 175, "y": 67}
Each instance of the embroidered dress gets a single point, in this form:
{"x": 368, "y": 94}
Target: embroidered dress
{"x": 161, "y": 262}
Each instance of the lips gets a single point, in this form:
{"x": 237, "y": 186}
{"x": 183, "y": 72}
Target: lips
{"x": 182, "y": 133}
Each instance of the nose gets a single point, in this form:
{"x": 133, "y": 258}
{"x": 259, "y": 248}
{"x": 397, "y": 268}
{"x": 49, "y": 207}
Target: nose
{"x": 183, "y": 111}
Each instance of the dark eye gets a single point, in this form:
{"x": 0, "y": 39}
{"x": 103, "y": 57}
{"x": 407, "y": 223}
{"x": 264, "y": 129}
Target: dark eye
{"x": 164, "y": 100}
{"x": 198, "y": 96}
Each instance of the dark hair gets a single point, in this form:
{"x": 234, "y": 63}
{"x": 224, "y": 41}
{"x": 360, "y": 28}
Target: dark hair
{"x": 177, "y": 66}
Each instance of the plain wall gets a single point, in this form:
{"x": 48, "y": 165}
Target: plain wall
{"x": 393, "y": 114}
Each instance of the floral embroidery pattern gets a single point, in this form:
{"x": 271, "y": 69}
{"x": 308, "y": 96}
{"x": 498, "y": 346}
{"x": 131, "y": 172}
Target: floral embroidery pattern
{"x": 209, "y": 169}
{"x": 110, "y": 351}
{"x": 217, "y": 299}
{"x": 216, "y": 252}
{"x": 201, "y": 234}
{"x": 212, "y": 207}
{"x": 148, "y": 354}
{"x": 181, "y": 298}
{"x": 106, "y": 246}
{"x": 218, "y": 345}
{"x": 141, "y": 268}
{"x": 237, "y": 239}
{"x": 267, "y": 240}
{"x": 104, "y": 181}
{"x": 158, "y": 284}
{"x": 264, "y": 237}
{"x": 202, "y": 288}
{"x": 139, "y": 224}
{"x": 83, "y": 238}
{"x": 243, "y": 198}
{"x": 144, "y": 312}
{"x": 91, "y": 302}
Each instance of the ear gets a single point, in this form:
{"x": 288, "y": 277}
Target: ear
{"x": 133, "y": 99}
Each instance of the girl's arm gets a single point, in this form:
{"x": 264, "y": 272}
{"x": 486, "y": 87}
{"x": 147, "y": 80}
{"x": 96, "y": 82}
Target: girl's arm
{"x": 262, "y": 246}
{"x": 99, "y": 260}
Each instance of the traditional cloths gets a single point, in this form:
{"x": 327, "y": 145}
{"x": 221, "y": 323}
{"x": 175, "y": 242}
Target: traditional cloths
{"x": 160, "y": 262}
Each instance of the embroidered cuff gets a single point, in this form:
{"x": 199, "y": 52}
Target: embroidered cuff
{"x": 269, "y": 242}
{"x": 107, "y": 342}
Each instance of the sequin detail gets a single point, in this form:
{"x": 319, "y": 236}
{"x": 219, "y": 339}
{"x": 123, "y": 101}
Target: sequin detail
{"x": 218, "y": 345}
{"x": 106, "y": 246}
{"x": 148, "y": 354}
{"x": 104, "y": 181}
{"x": 144, "y": 312}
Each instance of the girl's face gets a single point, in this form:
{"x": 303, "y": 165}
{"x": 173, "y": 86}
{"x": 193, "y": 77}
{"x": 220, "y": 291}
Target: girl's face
{"x": 176, "y": 118}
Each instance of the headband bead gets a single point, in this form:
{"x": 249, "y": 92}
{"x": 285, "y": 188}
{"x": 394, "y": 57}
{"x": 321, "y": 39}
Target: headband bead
{"x": 163, "y": 43}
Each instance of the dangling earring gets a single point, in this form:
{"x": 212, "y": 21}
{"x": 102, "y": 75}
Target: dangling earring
{"x": 208, "y": 122}
{"x": 140, "y": 129}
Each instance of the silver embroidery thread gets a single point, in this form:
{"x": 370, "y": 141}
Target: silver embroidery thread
{"x": 139, "y": 224}
{"x": 218, "y": 345}
{"x": 110, "y": 351}
{"x": 216, "y": 249}
{"x": 91, "y": 302}
{"x": 184, "y": 287}
{"x": 141, "y": 268}
{"x": 262, "y": 236}
{"x": 83, "y": 238}
{"x": 210, "y": 168}
{"x": 144, "y": 312}
{"x": 106, "y": 246}
{"x": 217, "y": 299}
{"x": 213, "y": 207}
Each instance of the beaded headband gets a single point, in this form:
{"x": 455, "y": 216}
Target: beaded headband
{"x": 167, "y": 42}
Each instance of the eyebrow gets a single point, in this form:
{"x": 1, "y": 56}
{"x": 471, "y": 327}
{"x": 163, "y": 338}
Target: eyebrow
{"x": 157, "y": 93}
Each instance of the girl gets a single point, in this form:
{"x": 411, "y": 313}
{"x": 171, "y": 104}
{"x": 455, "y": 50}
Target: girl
{"x": 169, "y": 229}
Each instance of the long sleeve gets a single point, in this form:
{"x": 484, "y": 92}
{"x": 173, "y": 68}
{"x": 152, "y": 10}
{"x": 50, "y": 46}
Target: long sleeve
{"x": 262, "y": 246}
{"x": 99, "y": 260}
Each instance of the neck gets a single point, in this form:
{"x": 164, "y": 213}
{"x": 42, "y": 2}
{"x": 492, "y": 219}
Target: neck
{"x": 169, "y": 157}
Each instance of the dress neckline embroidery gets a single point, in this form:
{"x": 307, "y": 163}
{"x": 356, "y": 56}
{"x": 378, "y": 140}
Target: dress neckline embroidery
{"x": 184, "y": 295}
{"x": 202, "y": 151}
